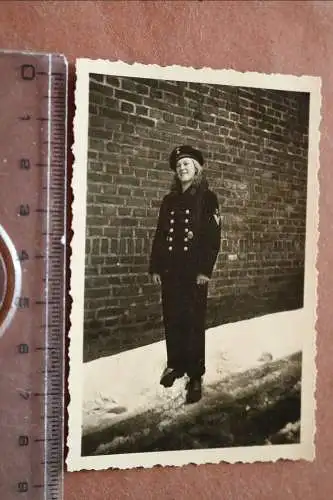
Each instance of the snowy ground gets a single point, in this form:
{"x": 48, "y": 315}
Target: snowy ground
{"x": 117, "y": 388}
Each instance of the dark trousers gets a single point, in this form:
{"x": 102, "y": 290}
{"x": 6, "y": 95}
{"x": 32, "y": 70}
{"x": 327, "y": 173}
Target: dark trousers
{"x": 184, "y": 313}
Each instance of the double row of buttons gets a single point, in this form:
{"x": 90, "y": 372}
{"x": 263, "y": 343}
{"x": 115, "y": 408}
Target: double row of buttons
{"x": 171, "y": 230}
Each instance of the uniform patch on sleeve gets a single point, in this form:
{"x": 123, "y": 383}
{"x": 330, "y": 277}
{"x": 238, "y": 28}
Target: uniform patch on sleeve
{"x": 217, "y": 216}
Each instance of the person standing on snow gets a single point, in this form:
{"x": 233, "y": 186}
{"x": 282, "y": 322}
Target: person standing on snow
{"x": 183, "y": 255}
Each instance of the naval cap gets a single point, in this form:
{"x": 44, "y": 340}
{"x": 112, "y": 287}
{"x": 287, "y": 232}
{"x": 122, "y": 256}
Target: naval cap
{"x": 185, "y": 151}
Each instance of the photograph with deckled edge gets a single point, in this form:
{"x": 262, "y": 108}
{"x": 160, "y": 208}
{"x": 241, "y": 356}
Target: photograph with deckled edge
{"x": 196, "y": 208}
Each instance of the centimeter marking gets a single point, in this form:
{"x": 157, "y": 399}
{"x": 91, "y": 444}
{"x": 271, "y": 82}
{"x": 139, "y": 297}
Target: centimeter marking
{"x": 43, "y": 375}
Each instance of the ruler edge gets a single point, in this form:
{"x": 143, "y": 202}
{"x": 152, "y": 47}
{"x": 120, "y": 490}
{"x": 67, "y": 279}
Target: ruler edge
{"x": 37, "y": 54}
{"x": 64, "y": 301}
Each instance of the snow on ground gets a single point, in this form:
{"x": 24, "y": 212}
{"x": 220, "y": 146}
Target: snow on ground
{"x": 119, "y": 386}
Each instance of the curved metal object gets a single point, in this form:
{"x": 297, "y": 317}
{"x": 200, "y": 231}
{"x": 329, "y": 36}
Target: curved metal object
{"x": 11, "y": 277}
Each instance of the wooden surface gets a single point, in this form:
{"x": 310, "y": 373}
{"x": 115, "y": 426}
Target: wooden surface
{"x": 285, "y": 37}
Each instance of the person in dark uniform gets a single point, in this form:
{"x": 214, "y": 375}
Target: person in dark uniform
{"x": 183, "y": 255}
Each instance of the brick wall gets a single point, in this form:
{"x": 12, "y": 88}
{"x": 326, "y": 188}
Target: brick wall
{"x": 255, "y": 145}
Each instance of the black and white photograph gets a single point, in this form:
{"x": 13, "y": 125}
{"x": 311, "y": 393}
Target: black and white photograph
{"x": 193, "y": 266}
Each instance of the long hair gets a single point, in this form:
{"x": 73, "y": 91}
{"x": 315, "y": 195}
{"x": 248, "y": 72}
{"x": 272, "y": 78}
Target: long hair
{"x": 199, "y": 181}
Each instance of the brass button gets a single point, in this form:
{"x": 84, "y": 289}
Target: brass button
{"x": 185, "y": 249}
{"x": 186, "y": 229}
{"x": 190, "y": 235}
{"x": 186, "y": 221}
{"x": 170, "y": 238}
{"x": 185, "y": 239}
{"x": 172, "y": 212}
{"x": 171, "y": 230}
{"x": 187, "y": 211}
{"x": 172, "y": 221}
{"x": 170, "y": 248}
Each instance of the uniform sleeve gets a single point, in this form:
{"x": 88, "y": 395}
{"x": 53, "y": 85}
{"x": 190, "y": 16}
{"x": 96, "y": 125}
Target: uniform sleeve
{"x": 157, "y": 245}
{"x": 210, "y": 235}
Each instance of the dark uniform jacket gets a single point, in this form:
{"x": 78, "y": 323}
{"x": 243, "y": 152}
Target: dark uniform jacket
{"x": 188, "y": 232}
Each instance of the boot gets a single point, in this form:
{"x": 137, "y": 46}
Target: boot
{"x": 193, "y": 388}
{"x": 169, "y": 376}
